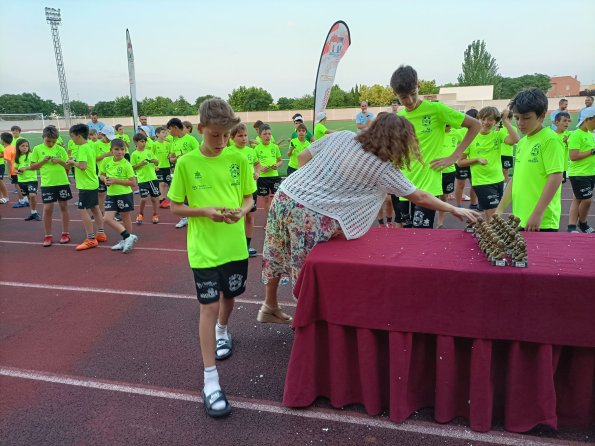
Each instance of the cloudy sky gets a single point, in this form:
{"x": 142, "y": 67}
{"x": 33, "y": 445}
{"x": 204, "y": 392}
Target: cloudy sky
{"x": 193, "y": 48}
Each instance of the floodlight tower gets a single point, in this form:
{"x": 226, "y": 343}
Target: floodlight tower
{"x": 53, "y": 18}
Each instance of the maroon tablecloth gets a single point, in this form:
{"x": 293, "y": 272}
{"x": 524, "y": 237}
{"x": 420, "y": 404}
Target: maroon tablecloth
{"x": 407, "y": 319}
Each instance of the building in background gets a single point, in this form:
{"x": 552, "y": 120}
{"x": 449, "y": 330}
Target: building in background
{"x": 563, "y": 86}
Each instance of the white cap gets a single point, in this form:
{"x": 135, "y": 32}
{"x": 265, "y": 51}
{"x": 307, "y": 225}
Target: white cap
{"x": 109, "y": 132}
{"x": 588, "y": 112}
{"x": 320, "y": 116}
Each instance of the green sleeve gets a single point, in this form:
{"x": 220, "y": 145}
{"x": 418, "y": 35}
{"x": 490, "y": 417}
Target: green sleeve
{"x": 450, "y": 116}
{"x": 130, "y": 170}
{"x": 277, "y": 152}
{"x": 62, "y": 154}
{"x": 248, "y": 183}
{"x": 102, "y": 166}
{"x": 177, "y": 189}
{"x": 35, "y": 155}
{"x": 552, "y": 155}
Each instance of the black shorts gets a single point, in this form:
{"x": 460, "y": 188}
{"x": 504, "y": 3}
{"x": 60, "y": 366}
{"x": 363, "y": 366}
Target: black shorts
{"x": 462, "y": 173}
{"x": 489, "y": 195}
{"x": 119, "y": 203}
{"x": 229, "y": 279}
{"x": 2, "y": 170}
{"x": 88, "y": 198}
{"x": 14, "y": 179}
{"x": 412, "y": 216}
{"x": 28, "y": 187}
{"x": 102, "y": 187}
{"x": 268, "y": 185}
{"x": 51, "y": 194}
{"x": 290, "y": 170}
{"x": 507, "y": 162}
{"x": 127, "y": 157}
{"x": 254, "y": 197}
{"x": 149, "y": 188}
{"x": 448, "y": 182}
{"x": 583, "y": 187}
{"x": 164, "y": 175}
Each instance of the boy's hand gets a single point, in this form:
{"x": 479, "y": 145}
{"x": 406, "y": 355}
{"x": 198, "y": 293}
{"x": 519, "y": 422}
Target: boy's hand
{"x": 534, "y": 222}
{"x": 55, "y": 160}
{"x": 482, "y": 161}
{"x": 70, "y": 162}
{"x": 231, "y": 216}
{"x": 265, "y": 168}
{"x": 20, "y": 170}
{"x": 441, "y": 163}
{"x": 154, "y": 161}
{"x": 47, "y": 158}
{"x": 143, "y": 163}
{"x": 108, "y": 181}
{"x": 215, "y": 214}
{"x": 256, "y": 176}
{"x": 504, "y": 115}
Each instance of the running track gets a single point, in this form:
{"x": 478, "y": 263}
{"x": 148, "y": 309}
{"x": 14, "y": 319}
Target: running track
{"x": 100, "y": 348}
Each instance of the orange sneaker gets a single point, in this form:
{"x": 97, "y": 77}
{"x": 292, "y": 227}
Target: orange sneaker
{"x": 139, "y": 219}
{"x": 101, "y": 237}
{"x": 88, "y": 243}
{"x": 155, "y": 219}
{"x": 164, "y": 204}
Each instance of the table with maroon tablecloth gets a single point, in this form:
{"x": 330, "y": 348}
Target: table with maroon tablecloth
{"x": 405, "y": 319}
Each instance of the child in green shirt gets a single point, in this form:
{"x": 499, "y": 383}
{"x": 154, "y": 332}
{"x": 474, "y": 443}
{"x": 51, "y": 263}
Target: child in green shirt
{"x": 296, "y": 146}
{"x": 218, "y": 185}
{"x": 535, "y": 186}
{"x": 562, "y": 122}
{"x": 27, "y": 178}
{"x": 162, "y": 149}
{"x": 269, "y": 157}
{"x": 144, "y": 163}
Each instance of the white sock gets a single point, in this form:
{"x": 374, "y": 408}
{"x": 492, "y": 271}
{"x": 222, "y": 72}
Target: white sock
{"x": 221, "y": 333}
{"x": 212, "y": 385}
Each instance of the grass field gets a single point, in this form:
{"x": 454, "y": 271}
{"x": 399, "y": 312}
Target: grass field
{"x": 281, "y": 130}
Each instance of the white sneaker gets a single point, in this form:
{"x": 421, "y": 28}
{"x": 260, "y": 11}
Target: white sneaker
{"x": 129, "y": 243}
{"x": 118, "y": 246}
{"x": 3, "y": 200}
{"x": 183, "y": 222}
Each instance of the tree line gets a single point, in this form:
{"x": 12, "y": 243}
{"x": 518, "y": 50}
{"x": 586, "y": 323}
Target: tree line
{"x": 478, "y": 68}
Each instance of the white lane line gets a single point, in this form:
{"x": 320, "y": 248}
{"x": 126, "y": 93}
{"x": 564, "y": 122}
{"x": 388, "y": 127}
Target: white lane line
{"x": 417, "y": 427}
{"x": 78, "y": 221}
{"x": 45, "y": 286}
{"x": 136, "y": 248}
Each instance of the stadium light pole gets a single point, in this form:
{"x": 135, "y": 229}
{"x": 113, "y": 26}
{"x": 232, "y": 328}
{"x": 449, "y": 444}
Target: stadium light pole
{"x": 54, "y": 19}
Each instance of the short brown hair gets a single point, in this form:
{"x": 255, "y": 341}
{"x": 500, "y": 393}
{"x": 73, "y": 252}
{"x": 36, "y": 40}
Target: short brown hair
{"x": 188, "y": 125}
{"x": 391, "y": 138}
{"x": 301, "y": 127}
{"x": 217, "y": 112}
{"x": 237, "y": 129}
{"x": 117, "y": 142}
{"x": 257, "y": 124}
{"x": 486, "y": 112}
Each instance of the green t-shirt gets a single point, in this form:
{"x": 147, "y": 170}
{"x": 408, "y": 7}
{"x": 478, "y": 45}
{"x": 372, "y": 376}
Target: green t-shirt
{"x": 268, "y": 156}
{"x": 429, "y": 120}
{"x": 259, "y": 141}
{"x": 86, "y": 179}
{"x": 71, "y": 148}
{"x": 488, "y": 148}
{"x": 184, "y": 145}
{"x": 147, "y": 172}
{"x": 506, "y": 149}
{"x": 537, "y": 157}
{"x": 319, "y": 131}
{"x": 120, "y": 170}
{"x": 102, "y": 147}
{"x": 220, "y": 181}
{"x": 583, "y": 142}
{"x": 28, "y": 175}
{"x": 52, "y": 174}
{"x": 564, "y": 134}
{"x": 308, "y": 135}
{"x": 249, "y": 153}
{"x": 126, "y": 139}
{"x": 162, "y": 151}
{"x": 1, "y": 155}
{"x": 451, "y": 141}
{"x": 298, "y": 147}
{"x": 60, "y": 141}
{"x": 170, "y": 138}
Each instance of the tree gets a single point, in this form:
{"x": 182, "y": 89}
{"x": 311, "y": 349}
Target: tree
{"x": 250, "y": 99}
{"x": 104, "y": 108}
{"x": 159, "y": 106}
{"x": 306, "y": 102}
{"x": 183, "y": 108}
{"x": 479, "y": 67}
{"x": 428, "y": 87}
{"x": 122, "y": 106}
{"x": 27, "y": 103}
{"x": 507, "y": 87}
{"x": 79, "y": 108}
{"x": 376, "y": 95}
{"x": 285, "y": 103}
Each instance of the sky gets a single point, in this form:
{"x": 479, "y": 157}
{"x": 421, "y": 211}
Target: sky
{"x": 194, "y": 48}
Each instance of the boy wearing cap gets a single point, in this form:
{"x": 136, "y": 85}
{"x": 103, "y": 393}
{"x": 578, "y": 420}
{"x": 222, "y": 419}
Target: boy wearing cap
{"x": 581, "y": 149}
{"x": 535, "y": 187}
{"x": 320, "y": 130}
{"x": 297, "y": 120}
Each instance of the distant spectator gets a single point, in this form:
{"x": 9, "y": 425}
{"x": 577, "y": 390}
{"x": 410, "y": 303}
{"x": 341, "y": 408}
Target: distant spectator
{"x": 394, "y": 106}
{"x": 148, "y": 128}
{"x": 364, "y": 118}
{"x": 588, "y": 103}
{"x": 94, "y": 124}
{"x": 562, "y": 107}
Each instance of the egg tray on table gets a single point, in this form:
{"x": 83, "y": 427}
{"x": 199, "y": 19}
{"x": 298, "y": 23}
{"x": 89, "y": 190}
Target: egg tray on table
{"x": 501, "y": 240}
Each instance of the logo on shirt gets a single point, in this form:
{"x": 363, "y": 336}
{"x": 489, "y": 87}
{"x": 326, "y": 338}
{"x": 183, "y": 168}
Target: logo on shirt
{"x": 234, "y": 170}
{"x": 426, "y": 121}
{"x": 535, "y": 150}
{"x": 197, "y": 175}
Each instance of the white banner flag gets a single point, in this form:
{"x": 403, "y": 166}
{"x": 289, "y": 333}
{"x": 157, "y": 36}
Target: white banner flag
{"x": 132, "y": 80}
{"x": 335, "y": 46}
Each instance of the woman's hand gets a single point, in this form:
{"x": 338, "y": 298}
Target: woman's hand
{"x": 466, "y": 214}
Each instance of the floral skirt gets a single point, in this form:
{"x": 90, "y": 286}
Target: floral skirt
{"x": 292, "y": 230}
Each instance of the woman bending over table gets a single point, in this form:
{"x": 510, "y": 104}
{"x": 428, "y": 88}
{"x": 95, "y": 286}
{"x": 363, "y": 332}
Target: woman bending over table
{"x": 339, "y": 188}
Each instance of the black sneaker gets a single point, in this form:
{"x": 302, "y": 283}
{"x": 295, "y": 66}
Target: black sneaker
{"x": 117, "y": 217}
{"x": 584, "y": 227}
{"x": 34, "y": 216}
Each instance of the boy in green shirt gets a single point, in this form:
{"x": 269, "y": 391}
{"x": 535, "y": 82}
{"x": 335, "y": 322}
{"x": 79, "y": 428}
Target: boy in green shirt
{"x": 103, "y": 149}
{"x": 50, "y": 159}
{"x": 451, "y": 141}
{"x": 119, "y": 128}
{"x": 484, "y": 157}
{"x": 429, "y": 120}
{"x": 536, "y": 182}
{"x": 269, "y": 157}
{"x": 162, "y": 149}
{"x": 320, "y": 130}
{"x": 297, "y": 120}
{"x": 87, "y": 182}
{"x": 562, "y": 122}
{"x": 239, "y": 136}
{"x": 218, "y": 185}
{"x": 144, "y": 162}
{"x": 581, "y": 149}
{"x": 117, "y": 174}
{"x": 296, "y": 146}
{"x": 506, "y": 150}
